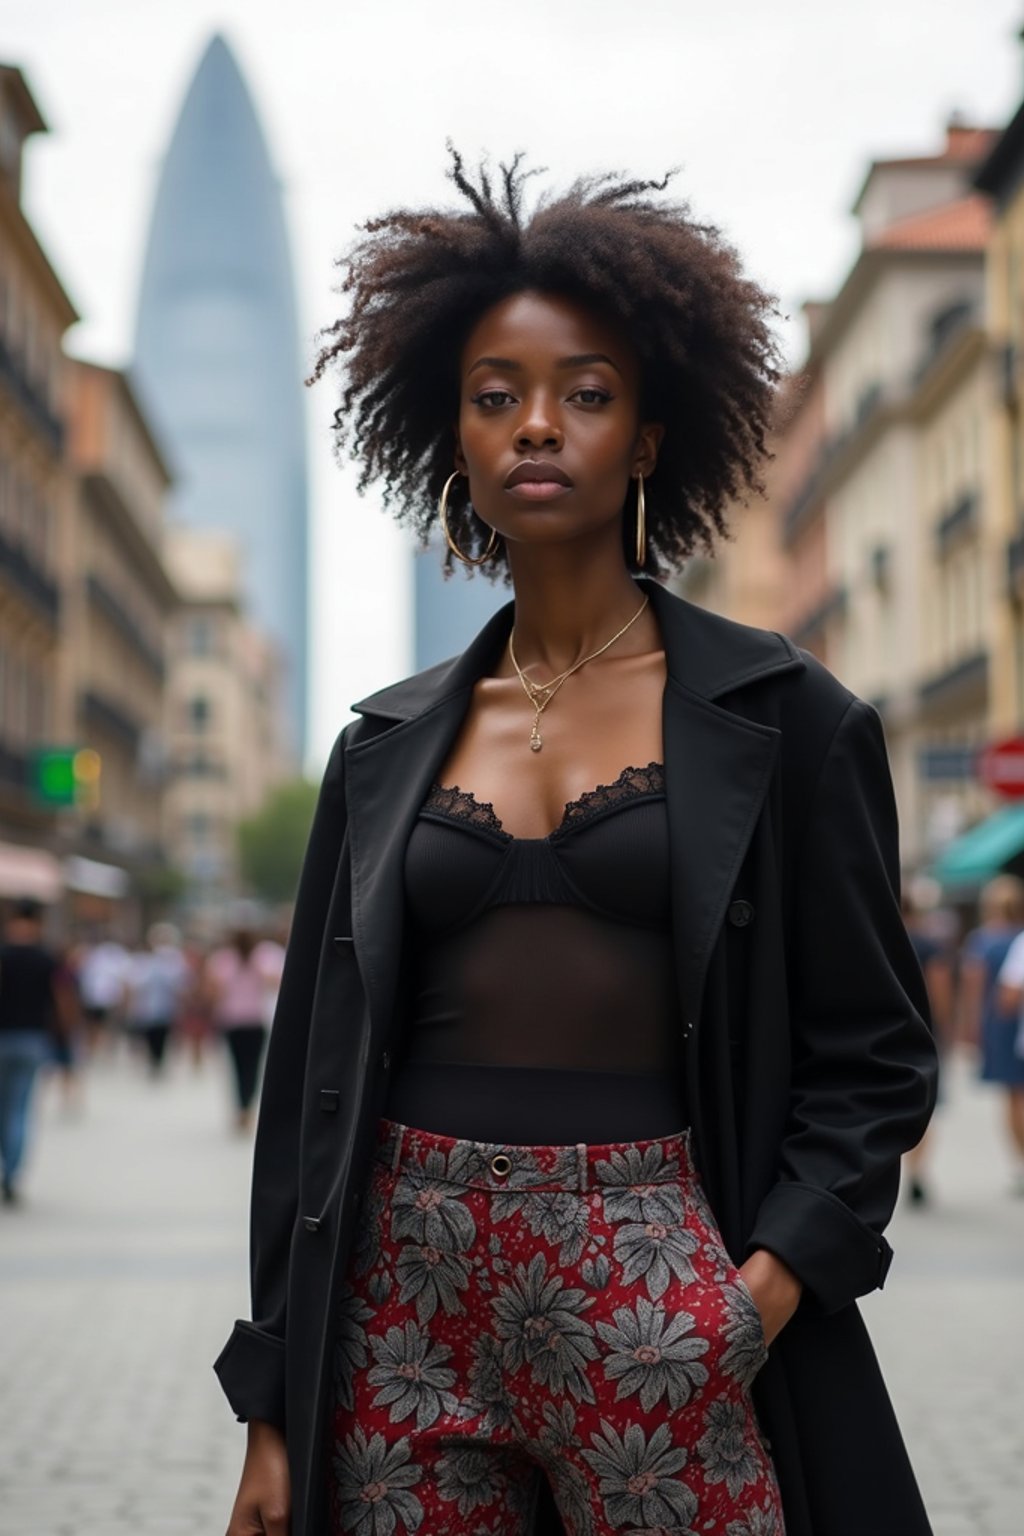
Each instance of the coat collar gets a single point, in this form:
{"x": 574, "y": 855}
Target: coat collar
{"x": 706, "y": 655}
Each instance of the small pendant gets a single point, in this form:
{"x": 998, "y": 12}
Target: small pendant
{"x": 536, "y": 740}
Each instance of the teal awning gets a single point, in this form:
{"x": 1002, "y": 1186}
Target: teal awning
{"x": 984, "y": 850}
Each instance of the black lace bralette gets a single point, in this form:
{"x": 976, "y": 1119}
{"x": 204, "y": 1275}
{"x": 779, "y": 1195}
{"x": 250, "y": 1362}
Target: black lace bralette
{"x": 618, "y": 865}
{"x": 455, "y": 804}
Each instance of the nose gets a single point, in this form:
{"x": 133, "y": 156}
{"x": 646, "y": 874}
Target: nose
{"x": 538, "y": 427}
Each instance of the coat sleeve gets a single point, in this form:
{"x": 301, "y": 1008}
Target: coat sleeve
{"x": 251, "y": 1366}
{"x": 864, "y": 1065}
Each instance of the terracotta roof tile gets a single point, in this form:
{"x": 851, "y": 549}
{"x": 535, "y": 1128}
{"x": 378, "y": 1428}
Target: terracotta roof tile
{"x": 963, "y": 225}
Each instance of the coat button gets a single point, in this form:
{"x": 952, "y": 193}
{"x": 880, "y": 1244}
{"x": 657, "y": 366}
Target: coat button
{"x": 741, "y": 913}
{"x": 311, "y": 1223}
{"x": 342, "y": 941}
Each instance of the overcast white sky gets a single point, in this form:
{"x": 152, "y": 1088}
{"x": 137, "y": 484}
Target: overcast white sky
{"x": 772, "y": 111}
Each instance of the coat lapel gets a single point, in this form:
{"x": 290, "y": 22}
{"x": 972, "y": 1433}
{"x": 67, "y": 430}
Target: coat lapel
{"x": 718, "y": 767}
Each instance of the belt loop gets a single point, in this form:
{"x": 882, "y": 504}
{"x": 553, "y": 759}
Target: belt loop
{"x": 396, "y": 1156}
{"x": 581, "y": 1165}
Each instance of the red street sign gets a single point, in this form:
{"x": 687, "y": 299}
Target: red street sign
{"x": 1001, "y": 767}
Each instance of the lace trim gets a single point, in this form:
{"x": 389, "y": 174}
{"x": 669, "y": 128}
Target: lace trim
{"x": 630, "y": 783}
{"x": 462, "y": 804}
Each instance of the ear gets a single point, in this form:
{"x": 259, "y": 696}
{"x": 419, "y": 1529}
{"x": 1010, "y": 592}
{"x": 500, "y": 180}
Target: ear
{"x": 645, "y": 452}
{"x": 460, "y": 457}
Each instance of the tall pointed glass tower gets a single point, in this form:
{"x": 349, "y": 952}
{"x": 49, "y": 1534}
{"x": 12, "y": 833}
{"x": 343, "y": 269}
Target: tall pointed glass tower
{"x": 217, "y": 358}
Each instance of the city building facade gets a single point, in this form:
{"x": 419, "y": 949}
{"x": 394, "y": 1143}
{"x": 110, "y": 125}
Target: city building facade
{"x": 223, "y": 719}
{"x": 35, "y": 509}
{"x": 880, "y": 492}
{"x": 119, "y": 605}
{"x": 217, "y": 356}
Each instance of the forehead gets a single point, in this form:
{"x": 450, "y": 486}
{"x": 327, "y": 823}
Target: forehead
{"x": 538, "y": 329}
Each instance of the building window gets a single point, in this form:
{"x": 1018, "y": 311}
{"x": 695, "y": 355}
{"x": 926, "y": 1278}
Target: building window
{"x": 200, "y": 635}
{"x": 198, "y": 710}
{"x": 198, "y": 827}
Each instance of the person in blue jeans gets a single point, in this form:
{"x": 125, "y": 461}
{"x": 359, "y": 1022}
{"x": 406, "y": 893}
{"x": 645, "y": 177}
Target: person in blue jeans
{"x": 33, "y": 1016}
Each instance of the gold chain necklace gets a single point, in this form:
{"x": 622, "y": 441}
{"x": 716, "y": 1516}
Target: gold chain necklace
{"x": 541, "y": 694}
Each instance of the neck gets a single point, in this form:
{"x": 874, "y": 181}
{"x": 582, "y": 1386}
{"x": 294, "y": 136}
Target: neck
{"x": 567, "y": 607}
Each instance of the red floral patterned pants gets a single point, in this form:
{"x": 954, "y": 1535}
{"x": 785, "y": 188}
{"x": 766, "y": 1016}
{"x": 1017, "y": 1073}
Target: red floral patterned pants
{"x": 570, "y": 1309}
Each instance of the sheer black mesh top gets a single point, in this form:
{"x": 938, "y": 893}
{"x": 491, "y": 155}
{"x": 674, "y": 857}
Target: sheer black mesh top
{"x": 543, "y": 1006}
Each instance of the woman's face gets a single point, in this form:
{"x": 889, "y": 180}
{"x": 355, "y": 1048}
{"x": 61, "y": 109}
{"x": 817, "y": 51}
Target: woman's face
{"x": 549, "y": 430}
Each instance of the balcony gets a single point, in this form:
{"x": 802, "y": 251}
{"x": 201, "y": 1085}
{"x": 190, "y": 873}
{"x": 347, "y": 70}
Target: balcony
{"x": 966, "y": 682}
{"x": 14, "y": 768}
{"x": 869, "y": 407}
{"x": 31, "y": 580}
{"x": 818, "y": 620}
{"x": 1009, "y": 368}
{"x": 958, "y": 523}
{"x": 99, "y": 712}
{"x": 31, "y": 400}
{"x": 116, "y": 613}
{"x": 1015, "y": 564}
{"x": 948, "y": 324}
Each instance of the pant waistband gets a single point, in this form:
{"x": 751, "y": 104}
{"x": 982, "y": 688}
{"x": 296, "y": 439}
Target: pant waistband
{"x": 498, "y": 1166}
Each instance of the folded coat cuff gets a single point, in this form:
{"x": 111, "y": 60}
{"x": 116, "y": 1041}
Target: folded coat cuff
{"x": 250, "y": 1368}
{"x": 829, "y": 1249}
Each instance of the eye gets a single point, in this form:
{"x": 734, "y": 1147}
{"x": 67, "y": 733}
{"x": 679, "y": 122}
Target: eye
{"x": 591, "y": 395}
{"x": 491, "y": 399}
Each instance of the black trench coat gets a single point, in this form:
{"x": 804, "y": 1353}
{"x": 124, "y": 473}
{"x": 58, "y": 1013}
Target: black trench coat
{"x": 810, "y": 1064}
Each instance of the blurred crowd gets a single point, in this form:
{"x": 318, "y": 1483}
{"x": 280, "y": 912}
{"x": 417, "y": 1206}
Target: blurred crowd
{"x": 974, "y": 972}
{"x": 60, "y": 1007}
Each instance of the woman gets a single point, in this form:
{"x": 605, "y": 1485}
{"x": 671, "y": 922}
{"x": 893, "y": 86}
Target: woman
{"x": 238, "y": 980}
{"x": 605, "y": 901}
{"x": 988, "y": 1016}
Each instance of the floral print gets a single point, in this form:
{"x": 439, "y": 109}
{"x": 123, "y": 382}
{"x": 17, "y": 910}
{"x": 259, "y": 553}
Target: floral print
{"x": 651, "y": 1355}
{"x": 656, "y": 1252}
{"x": 540, "y": 1323}
{"x": 725, "y": 1447}
{"x": 745, "y": 1333}
{"x": 412, "y": 1375}
{"x": 638, "y": 1478}
{"x": 562, "y": 1312}
{"x": 374, "y": 1482}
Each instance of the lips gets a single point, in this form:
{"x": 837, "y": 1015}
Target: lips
{"x": 538, "y": 477}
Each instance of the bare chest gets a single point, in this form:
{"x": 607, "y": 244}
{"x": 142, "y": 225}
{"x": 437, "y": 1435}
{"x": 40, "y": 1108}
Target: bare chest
{"x": 603, "y": 720}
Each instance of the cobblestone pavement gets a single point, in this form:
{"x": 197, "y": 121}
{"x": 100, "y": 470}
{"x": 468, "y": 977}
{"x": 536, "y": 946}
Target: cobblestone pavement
{"x": 120, "y": 1277}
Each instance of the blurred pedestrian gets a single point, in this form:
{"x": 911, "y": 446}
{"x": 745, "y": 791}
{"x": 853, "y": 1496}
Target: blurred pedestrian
{"x": 240, "y": 978}
{"x": 67, "y": 1044}
{"x": 35, "y": 1009}
{"x": 936, "y": 962}
{"x": 102, "y": 971}
{"x": 157, "y": 979}
{"x": 195, "y": 1025}
{"x": 998, "y": 978}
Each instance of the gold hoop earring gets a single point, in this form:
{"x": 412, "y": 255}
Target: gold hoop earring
{"x": 492, "y": 542}
{"x": 641, "y": 523}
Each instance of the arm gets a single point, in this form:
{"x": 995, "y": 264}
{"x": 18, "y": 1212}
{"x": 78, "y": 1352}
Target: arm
{"x": 863, "y": 1064}
{"x": 938, "y": 976}
{"x": 972, "y": 996}
{"x": 1010, "y": 991}
{"x": 251, "y": 1366}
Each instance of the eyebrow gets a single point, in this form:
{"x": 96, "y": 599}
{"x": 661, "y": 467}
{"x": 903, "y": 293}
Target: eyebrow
{"x": 581, "y": 360}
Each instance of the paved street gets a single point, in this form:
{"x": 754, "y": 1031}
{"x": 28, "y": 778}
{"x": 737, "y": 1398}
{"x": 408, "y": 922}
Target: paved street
{"x": 120, "y": 1277}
